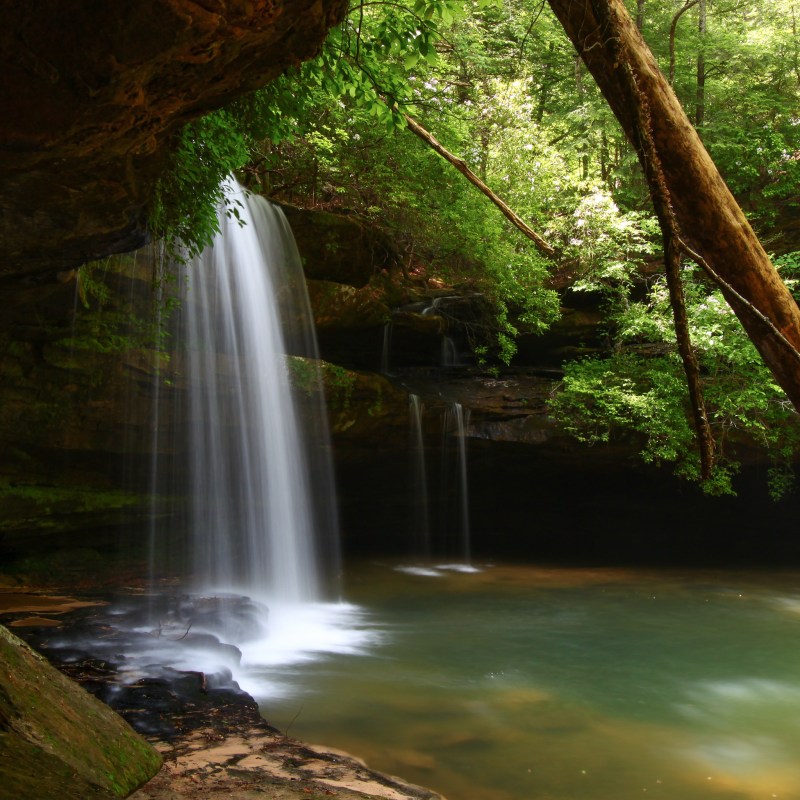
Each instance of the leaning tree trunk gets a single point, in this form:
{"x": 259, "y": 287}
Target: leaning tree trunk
{"x": 711, "y": 224}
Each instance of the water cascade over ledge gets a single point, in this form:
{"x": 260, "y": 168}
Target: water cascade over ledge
{"x": 445, "y": 546}
{"x": 262, "y": 508}
{"x": 262, "y": 538}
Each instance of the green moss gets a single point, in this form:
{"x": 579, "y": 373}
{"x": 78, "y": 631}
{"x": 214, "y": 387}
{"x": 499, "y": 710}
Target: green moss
{"x": 35, "y": 507}
{"x": 339, "y": 386}
{"x": 304, "y": 374}
{"x": 376, "y": 409}
{"x": 308, "y": 376}
{"x": 59, "y": 742}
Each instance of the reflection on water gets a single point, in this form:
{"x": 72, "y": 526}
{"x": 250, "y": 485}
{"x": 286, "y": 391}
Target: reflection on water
{"x": 516, "y": 683}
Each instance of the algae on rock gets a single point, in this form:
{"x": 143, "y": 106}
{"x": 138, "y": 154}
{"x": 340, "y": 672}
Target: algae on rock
{"x": 56, "y": 740}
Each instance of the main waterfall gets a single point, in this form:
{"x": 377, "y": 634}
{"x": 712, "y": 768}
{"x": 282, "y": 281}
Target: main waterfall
{"x": 261, "y": 516}
{"x": 262, "y": 507}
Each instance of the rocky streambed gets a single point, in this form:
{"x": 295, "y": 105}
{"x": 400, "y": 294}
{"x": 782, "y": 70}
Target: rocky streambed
{"x": 211, "y": 736}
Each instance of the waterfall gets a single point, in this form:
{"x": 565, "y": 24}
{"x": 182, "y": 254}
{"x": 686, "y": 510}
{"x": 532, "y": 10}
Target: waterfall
{"x": 449, "y": 538}
{"x": 418, "y": 478}
{"x": 455, "y": 493}
{"x": 254, "y": 524}
{"x": 462, "y": 419}
{"x": 449, "y": 353}
{"x": 259, "y": 526}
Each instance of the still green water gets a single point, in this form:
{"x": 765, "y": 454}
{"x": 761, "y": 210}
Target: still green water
{"x": 521, "y": 683}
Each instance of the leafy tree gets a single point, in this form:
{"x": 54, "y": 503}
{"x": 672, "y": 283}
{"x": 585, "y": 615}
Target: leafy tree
{"x": 184, "y": 210}
{"x": 640, "y": 389}
{"x": 499, "y": 85}
{"x": 747, "y": 55}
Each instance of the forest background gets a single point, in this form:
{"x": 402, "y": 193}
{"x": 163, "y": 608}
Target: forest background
{"x": 500, "y": 85}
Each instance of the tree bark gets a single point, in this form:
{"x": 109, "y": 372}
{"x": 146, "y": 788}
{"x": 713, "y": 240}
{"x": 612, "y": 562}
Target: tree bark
{"x": 710, "y": 222}
{"x": 640, "y": 14}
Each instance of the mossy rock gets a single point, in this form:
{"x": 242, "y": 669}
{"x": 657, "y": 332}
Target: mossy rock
{"x": 361, "y": 406}
{"x": 59, "y": 742}
{"x": 339, "y": 247}
{"x": 28, "y": 508}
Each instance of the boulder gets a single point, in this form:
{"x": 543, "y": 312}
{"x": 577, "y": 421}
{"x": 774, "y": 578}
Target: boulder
{"x": 59, "y": 742}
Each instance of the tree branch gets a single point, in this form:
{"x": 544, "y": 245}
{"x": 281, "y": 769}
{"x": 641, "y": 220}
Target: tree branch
{"x": 462, "y": 167}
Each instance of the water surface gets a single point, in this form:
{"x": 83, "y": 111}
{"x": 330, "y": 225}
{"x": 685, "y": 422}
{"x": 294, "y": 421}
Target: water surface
{"x": 520, "y": 683}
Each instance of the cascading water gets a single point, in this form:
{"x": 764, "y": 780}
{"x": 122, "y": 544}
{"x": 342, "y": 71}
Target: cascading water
{"x": 253, "y": 519}
{"x": 451, "y": 536}
{"x": 455, "y": 422}
{"x": 261, "y": 522}
{"x": 449, "y": 353}
{"x": 418, "y": 478}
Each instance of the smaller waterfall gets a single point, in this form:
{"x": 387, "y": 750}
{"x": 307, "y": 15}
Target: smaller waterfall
{"x": 461, "y": 419}
{"x": 449, "y": 354}
{"x": 418, "y": 479}
{"x": 446, "y": 534}
{"x": 454, "y": 487}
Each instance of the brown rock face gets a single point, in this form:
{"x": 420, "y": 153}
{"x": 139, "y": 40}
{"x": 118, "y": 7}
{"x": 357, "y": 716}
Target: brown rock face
{"x": 92, "y": 92}
{"x": 351, "y": 251}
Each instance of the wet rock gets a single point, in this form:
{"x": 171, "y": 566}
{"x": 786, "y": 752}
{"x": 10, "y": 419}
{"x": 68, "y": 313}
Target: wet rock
{"x": 340, "y": 307}
{"x": 56, "y": 740}
{"x": 339, "y": 247}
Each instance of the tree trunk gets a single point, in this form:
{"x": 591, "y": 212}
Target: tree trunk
{"x": 546, "y": 85}
{"x": 640, "y": 14}
{"x": 584, "y": 125}
{"x": 672, "y": 30}
{"x": 708, "y": 217}
{"x": 605, "y": 160}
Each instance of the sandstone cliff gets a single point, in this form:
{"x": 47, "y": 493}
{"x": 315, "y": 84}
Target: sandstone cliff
{"x": 92, "y": 94}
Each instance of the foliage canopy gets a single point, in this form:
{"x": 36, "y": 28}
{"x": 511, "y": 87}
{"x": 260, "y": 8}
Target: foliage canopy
{"x": 499, "y": 84}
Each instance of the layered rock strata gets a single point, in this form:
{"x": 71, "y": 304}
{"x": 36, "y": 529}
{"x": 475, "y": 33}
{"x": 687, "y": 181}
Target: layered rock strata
{"x": 93, "y": 93}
